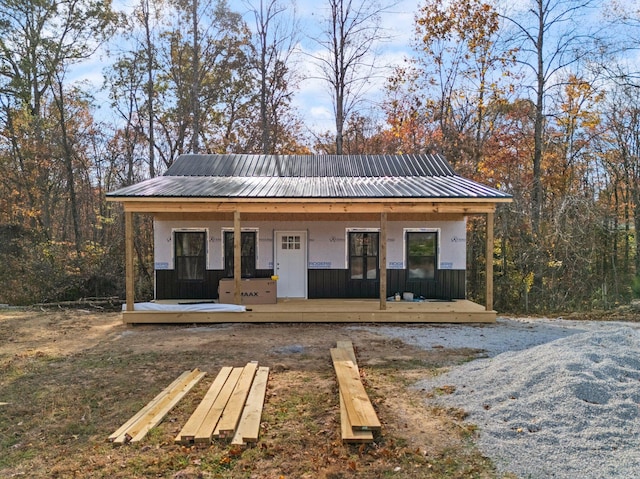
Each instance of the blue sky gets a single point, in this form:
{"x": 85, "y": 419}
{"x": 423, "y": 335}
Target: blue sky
{"x": 312, "y": 99}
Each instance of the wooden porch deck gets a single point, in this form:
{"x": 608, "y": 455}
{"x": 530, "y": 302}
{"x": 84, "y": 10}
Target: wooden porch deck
{"x": 329, "y": 311}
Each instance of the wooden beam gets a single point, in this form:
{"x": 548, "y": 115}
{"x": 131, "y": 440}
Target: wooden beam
{"x": 129, "y": 263}
{"x": 249, "y": 427}
{"x": 237, "y": 258}
{"x": 304, "y": 217}
{"x": 253, "y": 316}
{"x": 383, "y": 261}
{"x": 489, "y": 263}
{"x": 233, "y": 411}
{"x": 348, "y": 347}
{"x": 136, "y": 417}
{"x": 158, "y": 408}
{"x": 347, "y": 432}
{"x": 464, "y": 206}
{"x": 210, "y": 421}
{"x": 361, "y": 414}
{"x": 189, "y": 431}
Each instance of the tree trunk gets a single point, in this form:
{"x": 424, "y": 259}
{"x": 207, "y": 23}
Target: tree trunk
{"x": 150, "y": 88}
{"x": 195, "y": 86}
{"x": 67, "y": 152}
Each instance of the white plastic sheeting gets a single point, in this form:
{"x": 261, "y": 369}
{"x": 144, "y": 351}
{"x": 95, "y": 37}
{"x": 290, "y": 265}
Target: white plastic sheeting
{"x": 195, "y": 307}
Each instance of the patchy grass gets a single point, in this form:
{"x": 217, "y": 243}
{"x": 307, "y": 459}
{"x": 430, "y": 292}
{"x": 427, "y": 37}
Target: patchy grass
{"x": 63, "y": 402}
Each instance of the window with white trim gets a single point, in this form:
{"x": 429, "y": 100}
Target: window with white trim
{"x": 422, "y": 252}
{"x": 190, "y": 255}
{"x": 247, "y": 253}
{"x": 363, "y": 255}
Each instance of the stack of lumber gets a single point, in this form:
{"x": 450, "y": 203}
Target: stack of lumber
{"x": 231, "y": 408}
{"x": 358, "y": 419}
{"x": 136, "y": 428}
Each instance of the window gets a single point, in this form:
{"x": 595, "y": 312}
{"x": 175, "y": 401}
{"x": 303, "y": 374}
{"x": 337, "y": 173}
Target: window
{"x": 291, "y": 242}
{"x": 363, "y": 255}
{"x": 190, "y": 255}
{"x": 422, "y": 254}
{"x": 247, "y": 252}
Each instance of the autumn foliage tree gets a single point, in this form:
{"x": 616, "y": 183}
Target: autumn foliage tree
{"x": 511, "y": 97}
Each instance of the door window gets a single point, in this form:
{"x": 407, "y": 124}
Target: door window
{"x": 290, "y": 242}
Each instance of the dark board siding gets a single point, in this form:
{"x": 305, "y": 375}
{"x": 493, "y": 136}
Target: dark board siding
{"x": 168, "y": 286}
{"x": 323, "y": 283}
{"x": 335, "y": 283}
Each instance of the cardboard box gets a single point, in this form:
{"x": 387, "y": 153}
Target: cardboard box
{"x": 252, "y": 291}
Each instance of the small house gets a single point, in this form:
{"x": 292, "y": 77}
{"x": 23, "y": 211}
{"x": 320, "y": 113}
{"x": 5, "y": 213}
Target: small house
{"x": 317, "y": 238}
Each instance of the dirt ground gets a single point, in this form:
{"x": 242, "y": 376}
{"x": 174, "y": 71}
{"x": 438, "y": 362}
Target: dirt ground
{"x": 69, "y": 378}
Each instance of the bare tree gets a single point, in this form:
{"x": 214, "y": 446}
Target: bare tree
{"x": 145, "y": 16}
{"x": 205, "y": 80}
{"x": 551, "y": 36}
{"x": 347, "y": 57}
{"x": 132, "y": 82}
{"x": 275, "y": 37}
{"x": 38, "y": 43}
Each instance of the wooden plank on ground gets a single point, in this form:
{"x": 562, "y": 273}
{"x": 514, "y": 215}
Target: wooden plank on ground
{"x": 155, "y": 414}
{"x": 136, "y": 417}
{"x": 162, "y": 409}
{"x": 231, "y": 415}
{"x": 359, "y": 408}
{"x": 249, "y": 428}
{"x": 189, "y": 430}
{"x": 348, "y": 347}
{"x": 341, "y": 354}
{"x": 210, "y": 421}
{"x": 347, "y": 432}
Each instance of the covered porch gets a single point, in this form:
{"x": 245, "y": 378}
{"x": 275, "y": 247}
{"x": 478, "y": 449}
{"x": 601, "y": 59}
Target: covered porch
{"x": 381, "y": 310}
{"x": 355, "y": 214}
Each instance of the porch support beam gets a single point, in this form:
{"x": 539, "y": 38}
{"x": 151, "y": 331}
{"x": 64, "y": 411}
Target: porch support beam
{"x": 301, "y": 206}
{"x": 237, "y": 258}
{"x": 489, "y": 263}
{"x": 383, "y": 261}
{"x": 129, "y": 263}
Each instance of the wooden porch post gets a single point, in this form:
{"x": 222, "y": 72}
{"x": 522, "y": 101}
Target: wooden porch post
{"x": 489, "y": 263}
{"x": 383, "y": 260}
{"x": 130, "y": 275}
{"x": 237, "y": 258}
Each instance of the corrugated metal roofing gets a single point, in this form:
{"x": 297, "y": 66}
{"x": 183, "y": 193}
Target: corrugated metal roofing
{"x": 452, "y": 186}
{"x": 330, "y": 176}
{"x": 310, "y": 166}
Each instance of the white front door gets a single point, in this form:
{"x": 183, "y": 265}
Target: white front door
{"x": 291, "y": 263}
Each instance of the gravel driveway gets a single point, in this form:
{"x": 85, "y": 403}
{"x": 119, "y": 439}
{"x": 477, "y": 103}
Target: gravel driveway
{"x": 552, "y": 398}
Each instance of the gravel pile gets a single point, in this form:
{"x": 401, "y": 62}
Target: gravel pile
{"x": 554, "y": 399}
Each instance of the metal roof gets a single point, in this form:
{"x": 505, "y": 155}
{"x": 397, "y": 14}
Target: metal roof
{"x": 325, "y": 176}
{"x": 310, "y": 166}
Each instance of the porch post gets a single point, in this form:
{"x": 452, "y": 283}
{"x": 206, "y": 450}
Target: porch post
{"x": 383, "y": 260}
{"x": 237, "y": 258}
{"x": 129, "y": 264}
{"x": 489, "y": 263}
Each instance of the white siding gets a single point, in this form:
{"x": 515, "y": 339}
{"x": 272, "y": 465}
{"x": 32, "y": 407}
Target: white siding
{"x": 327, "y": 241}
